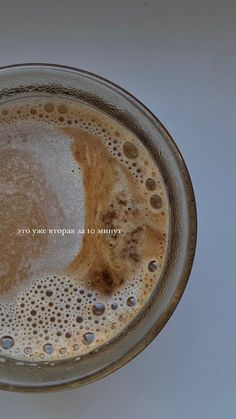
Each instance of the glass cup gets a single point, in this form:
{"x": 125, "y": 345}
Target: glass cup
{"x": 25, "y": 80}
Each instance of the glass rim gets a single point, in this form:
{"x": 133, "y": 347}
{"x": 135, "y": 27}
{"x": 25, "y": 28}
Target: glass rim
{"x": 148, "y": 337}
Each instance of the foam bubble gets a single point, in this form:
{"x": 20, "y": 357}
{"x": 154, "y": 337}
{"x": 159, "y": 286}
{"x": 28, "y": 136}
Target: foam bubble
{"x": 150, "y": 184}
{"x": 156, "y": 201}
{"x": 152, "y": 266}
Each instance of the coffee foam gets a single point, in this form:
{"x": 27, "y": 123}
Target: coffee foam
{"x": 67, "y": 165}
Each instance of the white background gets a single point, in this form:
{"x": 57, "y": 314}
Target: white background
{"x": 178, "y": 57}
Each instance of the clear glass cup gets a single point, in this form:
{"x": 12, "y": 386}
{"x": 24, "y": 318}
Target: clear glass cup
{"x": 31, "y": 79}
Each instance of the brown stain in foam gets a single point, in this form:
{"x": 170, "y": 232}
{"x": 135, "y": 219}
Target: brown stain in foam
{"x": 106, "y": 261}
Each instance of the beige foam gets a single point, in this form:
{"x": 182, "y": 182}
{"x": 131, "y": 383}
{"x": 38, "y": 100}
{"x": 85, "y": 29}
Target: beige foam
{"x": 89, "y": 173}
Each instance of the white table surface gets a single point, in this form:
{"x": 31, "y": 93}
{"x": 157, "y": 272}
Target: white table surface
{"x": 178, "y": 57}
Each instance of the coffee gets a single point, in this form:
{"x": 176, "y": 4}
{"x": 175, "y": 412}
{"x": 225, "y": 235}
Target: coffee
{"x": 84, "y": 228}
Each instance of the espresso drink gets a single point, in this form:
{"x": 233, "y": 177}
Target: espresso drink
{"x": 83, "y": 228}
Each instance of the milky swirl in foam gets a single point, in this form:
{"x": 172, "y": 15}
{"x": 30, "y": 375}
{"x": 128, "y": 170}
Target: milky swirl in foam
{"x": 66, "y": 164}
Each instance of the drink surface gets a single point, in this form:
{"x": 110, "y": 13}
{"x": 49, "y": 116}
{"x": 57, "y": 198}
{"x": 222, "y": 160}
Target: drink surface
{"x": 84, "y": 222}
